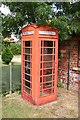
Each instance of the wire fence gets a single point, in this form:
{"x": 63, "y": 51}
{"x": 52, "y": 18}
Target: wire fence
{"x": 16, "y": 78}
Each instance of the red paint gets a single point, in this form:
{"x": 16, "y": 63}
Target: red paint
{"x": 39, "y": 64}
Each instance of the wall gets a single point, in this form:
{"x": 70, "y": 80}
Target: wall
{"x": 74, "y": 72}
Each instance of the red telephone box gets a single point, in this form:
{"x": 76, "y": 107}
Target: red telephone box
{"x": 39, "y": 63}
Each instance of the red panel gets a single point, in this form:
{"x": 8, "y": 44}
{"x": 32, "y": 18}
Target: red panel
{"x": 39, "y": 64}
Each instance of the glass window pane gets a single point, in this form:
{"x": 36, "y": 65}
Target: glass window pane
{"x": 27, "y": 43}
{"x": 47, "y": 78}
{"x": 27, "y": 50}
{"x": 41, "y": 58}
{"x": 27, "y": 64}
{"x": 27, "y": 57}
{"x": 40, "y": 72}
{"x": 47, "y": 65}
{"x": 27, "y": 71}
{"x": 27, "y": 84}
{"x": 41, "y": 65}
{"x": 40, "y": 79}
{"x": 48, "y": 50}
{"x": 48, "y": 43}
{"x": 47, "y": 58}
{"x": 27, "y": 77}
{"x": 27, "y": 90}
{"x": 48, "y": 85}
{"x": 41, "y": 43}
{"x": 47, "y": 72}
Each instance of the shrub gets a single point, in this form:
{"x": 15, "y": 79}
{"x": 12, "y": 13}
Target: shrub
{"x": 7, "y": 55}
{"x": 16, "y": 48}
{"x": 59, "y": 84}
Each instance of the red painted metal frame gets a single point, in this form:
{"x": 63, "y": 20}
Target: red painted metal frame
{"x": 34, "y": 88}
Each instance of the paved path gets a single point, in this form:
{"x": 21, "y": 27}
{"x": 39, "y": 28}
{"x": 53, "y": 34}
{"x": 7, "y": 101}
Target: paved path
{"x": 0, "y": 57}
{"x": 15, "y": 58}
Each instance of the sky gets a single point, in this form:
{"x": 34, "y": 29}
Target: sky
{"x": 5, "y": 10}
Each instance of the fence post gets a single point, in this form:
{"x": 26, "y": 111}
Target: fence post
{"x": 10, "y": 78}
{"x": 68, "y": 79}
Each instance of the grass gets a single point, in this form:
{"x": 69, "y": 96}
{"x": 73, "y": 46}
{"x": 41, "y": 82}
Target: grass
{"x": 65, "y": 106}
{"x": 15, "y": 107}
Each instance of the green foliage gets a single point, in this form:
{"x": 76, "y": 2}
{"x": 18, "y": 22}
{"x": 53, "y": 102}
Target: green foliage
{"x": 15, "y": 48}
{"x": 5, "y": 93}
{"x": 59, "y": 84}
{"x": 72, "y": 13}
{"x": 5, "y": 44}
{"x": 66, "y": 17}
{"x": 7, "y": 55}
{"x": 21, "y": 13}
{"x": 59, "y": 54}
{"x": 62, "y": 24}
{"x": 43, "y": 13}
{"x": 0, "y": 46}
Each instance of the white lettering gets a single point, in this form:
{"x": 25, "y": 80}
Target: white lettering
{"x": 28, "y": 33}
{"x": 47, "y": 33}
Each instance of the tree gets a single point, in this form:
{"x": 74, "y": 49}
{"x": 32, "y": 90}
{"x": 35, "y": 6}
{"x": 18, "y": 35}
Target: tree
{"x": 7, "y": 55}
{"x": 72, "y": 12}
{"x": 66, "y": 17}
{"x": 21, "y": 14}
{"x": 15, "y": 48}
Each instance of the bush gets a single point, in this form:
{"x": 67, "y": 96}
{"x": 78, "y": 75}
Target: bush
{"x": 59, "y": 84}
{"x": 7, "y": 55}
{"x": 16, "y": 48}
